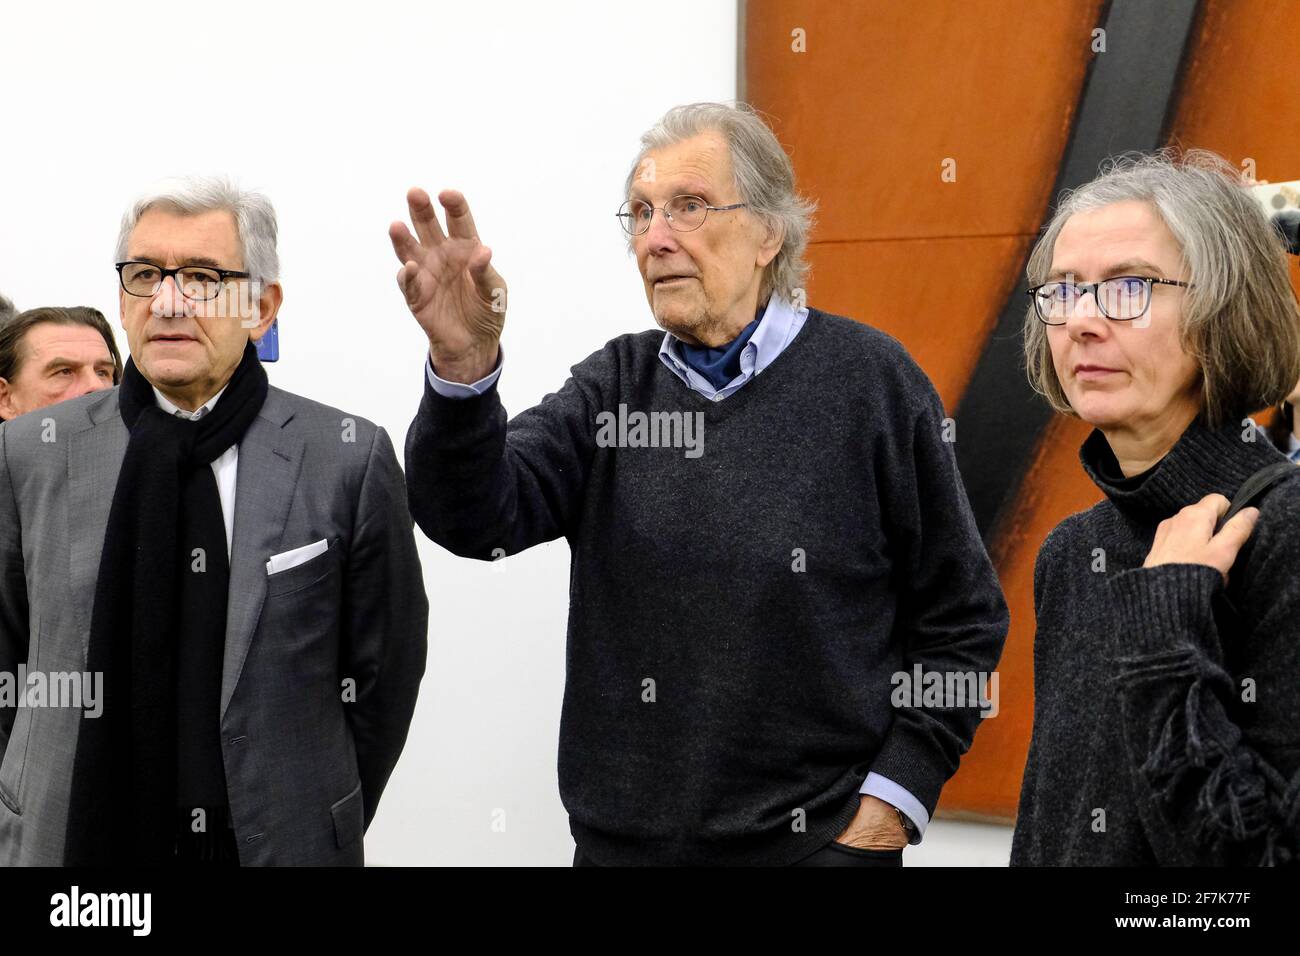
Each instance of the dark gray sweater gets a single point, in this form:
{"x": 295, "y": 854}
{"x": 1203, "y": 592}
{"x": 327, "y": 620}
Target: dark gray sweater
{"x": 735, "y": 616}
{"x": 1147, "y": 747}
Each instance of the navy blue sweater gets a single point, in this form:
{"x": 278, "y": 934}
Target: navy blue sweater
{"x": 736, "y": 614}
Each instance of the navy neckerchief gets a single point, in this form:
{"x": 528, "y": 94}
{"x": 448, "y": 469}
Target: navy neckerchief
{"x": 719, "y": 366}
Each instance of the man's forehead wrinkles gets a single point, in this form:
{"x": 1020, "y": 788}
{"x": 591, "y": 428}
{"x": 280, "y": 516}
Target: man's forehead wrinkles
{"x": 196, "y": 259}
{"x": 672, "y": 186}
{"x": 680, "y": 181}
{"x": 162, "y": 236}
{"x": 705, "y": 170}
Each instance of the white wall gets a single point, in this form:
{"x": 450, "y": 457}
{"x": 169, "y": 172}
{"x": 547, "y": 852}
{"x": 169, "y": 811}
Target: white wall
{"x": 334, "y": 110}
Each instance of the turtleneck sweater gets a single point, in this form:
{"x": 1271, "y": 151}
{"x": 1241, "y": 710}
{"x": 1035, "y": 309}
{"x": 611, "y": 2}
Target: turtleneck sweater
{"x": 1166, "y": 718}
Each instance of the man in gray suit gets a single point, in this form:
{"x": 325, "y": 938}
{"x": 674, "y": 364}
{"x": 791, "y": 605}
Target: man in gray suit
{"x": 212, "y": 615}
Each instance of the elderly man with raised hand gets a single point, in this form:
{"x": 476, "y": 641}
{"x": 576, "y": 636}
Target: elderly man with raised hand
{"x": 50, "y": 355}
{"x": 752, "y": 572}
{"x": 1166, "y": 700}
{"x": 231, "y": 567}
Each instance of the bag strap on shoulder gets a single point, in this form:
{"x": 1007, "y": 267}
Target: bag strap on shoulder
{"x": 1254, "y": 488}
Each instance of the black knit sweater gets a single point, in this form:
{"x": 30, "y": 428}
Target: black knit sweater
{"x": 1166, "y": 719}
{"x": 735, "y": 617}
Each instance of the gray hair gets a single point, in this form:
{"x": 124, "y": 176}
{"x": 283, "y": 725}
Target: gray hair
{"x": 191, "y": 195}
{"x": 764, "y": 177}
{"x": 1240, "y": 320}
{"x": 7, "y": 310}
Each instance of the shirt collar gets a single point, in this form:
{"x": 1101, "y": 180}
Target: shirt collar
{"x": 769, "y": 339}
{"x": 194, "y": 416}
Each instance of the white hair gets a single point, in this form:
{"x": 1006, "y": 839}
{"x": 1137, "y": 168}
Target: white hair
{"x": 190, "y": 195}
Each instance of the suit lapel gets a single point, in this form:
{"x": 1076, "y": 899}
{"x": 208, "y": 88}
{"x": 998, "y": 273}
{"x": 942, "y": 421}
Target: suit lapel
{"x": 95, "y": 456}
{"x": 270, "y": 459}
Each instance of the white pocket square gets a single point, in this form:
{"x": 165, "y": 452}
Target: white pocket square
{"x": 291, "y": 559}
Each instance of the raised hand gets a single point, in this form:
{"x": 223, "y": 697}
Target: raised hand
{"x": 451, "y": 288}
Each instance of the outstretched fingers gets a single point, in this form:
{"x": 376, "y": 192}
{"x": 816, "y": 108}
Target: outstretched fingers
{"x": 460, "y": 222}
{"x": 404, "y": 244}
{"x": 424, "y": 217}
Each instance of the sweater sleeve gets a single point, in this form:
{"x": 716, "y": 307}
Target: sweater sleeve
{"x": 1210, "y": 798}
{"x": 482, "y": 488}
{"x": 952, "y": 618}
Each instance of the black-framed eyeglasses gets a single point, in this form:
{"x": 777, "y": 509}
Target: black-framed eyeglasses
{"x": 1119, "y": 298}
{"x": 684, "y": 213}
{"x": 199, "y": 283}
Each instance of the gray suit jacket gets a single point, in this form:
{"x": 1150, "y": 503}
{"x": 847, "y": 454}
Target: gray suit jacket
{"x": 305, "y": 760}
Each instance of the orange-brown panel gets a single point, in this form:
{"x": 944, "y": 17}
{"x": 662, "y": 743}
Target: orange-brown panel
{"x": 1241, "y": 94}
{"x": 887, "y": 91}
{"x": 1240, "y": 98}
{"x": 939, "y": 297}
{"x": 988, "y": 784}
{"x": 883, "y": 94}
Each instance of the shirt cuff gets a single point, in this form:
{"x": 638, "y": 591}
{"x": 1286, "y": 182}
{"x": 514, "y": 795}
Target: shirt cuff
{"x": 458, "y": 389}
{"x": 885, "y": 789}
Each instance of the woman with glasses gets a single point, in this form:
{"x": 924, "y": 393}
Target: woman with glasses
{"x": 1167, "y": 649}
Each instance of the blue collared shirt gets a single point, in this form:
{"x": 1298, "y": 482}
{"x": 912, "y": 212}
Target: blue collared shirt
{"x": 781, "y": 323}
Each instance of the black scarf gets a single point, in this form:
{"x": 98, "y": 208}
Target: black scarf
{"x": 155, "y": 621}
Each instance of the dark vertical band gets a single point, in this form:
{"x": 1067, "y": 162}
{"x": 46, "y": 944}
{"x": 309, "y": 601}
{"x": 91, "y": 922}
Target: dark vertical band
{"x": 1127, "y": 103}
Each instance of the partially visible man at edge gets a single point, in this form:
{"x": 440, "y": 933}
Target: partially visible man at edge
{"x": 50, "y": 355}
